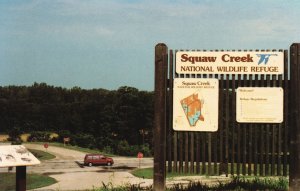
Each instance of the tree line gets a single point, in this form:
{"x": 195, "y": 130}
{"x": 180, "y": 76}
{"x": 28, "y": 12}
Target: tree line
{"x": 96, "y": 118}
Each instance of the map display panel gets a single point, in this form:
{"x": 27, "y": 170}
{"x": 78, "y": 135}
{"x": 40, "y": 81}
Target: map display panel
{"x": 195, "y": 104}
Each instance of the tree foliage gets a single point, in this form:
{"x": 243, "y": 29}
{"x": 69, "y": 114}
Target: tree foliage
{"x": 100, "y": 116}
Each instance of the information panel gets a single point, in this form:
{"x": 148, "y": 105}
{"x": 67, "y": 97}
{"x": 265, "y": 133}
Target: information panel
{"x": 195, "y": 104}
{"x": 198, "y": 62}
{"x": 16, "y": 155}
{"x": 259, "y": 105}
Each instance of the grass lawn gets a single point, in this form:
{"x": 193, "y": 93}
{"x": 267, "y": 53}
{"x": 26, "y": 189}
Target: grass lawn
{"x": 148, "y": 173}
{"x": 8, "y": 181}
{"x": 41, "y": 155}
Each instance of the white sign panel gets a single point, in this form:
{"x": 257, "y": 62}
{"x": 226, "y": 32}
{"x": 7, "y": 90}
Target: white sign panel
{"x": 16, "y": 155}
{"x": 198, "y": 62}
{"x": 259, "y": 105}
{"x": 195, "y": 104}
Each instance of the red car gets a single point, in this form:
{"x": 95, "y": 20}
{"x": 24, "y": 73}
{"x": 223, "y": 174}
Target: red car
{"x": 97, "y": 159}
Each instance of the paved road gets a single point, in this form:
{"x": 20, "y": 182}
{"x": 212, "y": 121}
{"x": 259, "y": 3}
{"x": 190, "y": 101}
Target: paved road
{"x": 67, "y": 168}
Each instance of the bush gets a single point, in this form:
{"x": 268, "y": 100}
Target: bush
{"x": 39, "y": 136}
{"x": 63, "y": 134}
{"x": 83, "y": 140}
{"x": 123, "y": 148}
{"x": 15, "y": 135}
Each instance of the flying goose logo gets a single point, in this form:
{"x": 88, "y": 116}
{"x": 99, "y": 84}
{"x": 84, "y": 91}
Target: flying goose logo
{"x": 264, "y": 58}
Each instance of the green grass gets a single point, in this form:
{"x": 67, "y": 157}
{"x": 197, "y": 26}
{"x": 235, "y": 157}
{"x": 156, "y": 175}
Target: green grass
{"x": 33, "y": 181}
{"x": 148, "y": 173}
{"x": 143, "y": 173}
{"x": 41, "y": 155}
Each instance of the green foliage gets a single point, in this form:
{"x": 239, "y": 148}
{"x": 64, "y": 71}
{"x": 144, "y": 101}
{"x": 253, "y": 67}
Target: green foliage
{"x": 63, "y": 134}
{"x": 129, "y": 187}
{"x": 125, "y": 149}
{"x": 15, "y": 135}
{"x": 235, "y": 184}
{"x": 100, "y": 115}
{"x": 38, "y": 136}
{"x": 83, "y": 140}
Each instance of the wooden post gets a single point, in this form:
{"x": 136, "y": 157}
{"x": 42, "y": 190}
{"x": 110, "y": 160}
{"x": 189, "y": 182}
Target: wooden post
{"x": 21, "y": 178}
{"x": 161, "y": 67}
{"x": 294, "y": 178}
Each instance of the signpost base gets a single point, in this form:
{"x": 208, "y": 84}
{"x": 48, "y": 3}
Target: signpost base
{"x": 21, "y": 178}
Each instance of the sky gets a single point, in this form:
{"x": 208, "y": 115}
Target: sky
{"x": 110, "y": 43}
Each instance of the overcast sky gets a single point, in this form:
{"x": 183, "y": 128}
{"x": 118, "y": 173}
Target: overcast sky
{"x": 108, "y": 44}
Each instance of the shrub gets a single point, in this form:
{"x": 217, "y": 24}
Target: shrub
{"x": 63, "y": 134}
{"x": 15, "y": 135}
{"x": 39, "y": 136}
{"x": 83, "y": 140}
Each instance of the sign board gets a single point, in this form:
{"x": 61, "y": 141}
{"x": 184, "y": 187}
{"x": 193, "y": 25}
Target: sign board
{"x": 259, "y": 105}
{"x": 195, "y": 104}
{"x": 46, "y": 145}
{"x": 16, "y": 155}
{"x": 230, "y": 62}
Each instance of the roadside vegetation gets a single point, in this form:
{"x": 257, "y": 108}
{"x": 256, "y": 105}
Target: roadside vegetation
{"x": 41, "y": 155}
{"x": 236, "y": 183}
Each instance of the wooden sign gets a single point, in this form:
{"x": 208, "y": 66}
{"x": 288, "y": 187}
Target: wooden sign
{"x": 229, "y": 62}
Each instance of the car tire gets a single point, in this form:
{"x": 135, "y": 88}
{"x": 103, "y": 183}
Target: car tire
{"x": 90, "y": 164}
{"x": 108, "y": 164}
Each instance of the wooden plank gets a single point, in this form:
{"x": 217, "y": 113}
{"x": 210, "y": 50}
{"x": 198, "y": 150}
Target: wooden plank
{"x": 209, "y": 149}
{"x": 274, "y": 134}
{"x": 215, "y": 146}
{"x": 209, "y": 170}
{"x": 186, "y": 152}
{"x": 286, "y": 114}
{"x": 181, "y": 144}
{"x": 175, "y": 136}
{"x": 244, "y": 145}
{"x": 198, "y": 148}
{"x": 175, "y": 152}
{"x": 227, "y": 125}
{"x": 250, "y": 142}
{"x": 267, "y": 135}
{"x": 234, "y": 124}
{"x": 198, "y": 153}
{"x": 279, "y": 142}
{"x": 159, "y": 124}
{"x": 239, "y": 136}
{"x": 170, "y": 112}
{"x": 256, "y": 137}
{"x": 221, "y": 126}
{"x": 180, "y": 139}
{"x": 203, "y": 144}
{"x": 262, "y": 140}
